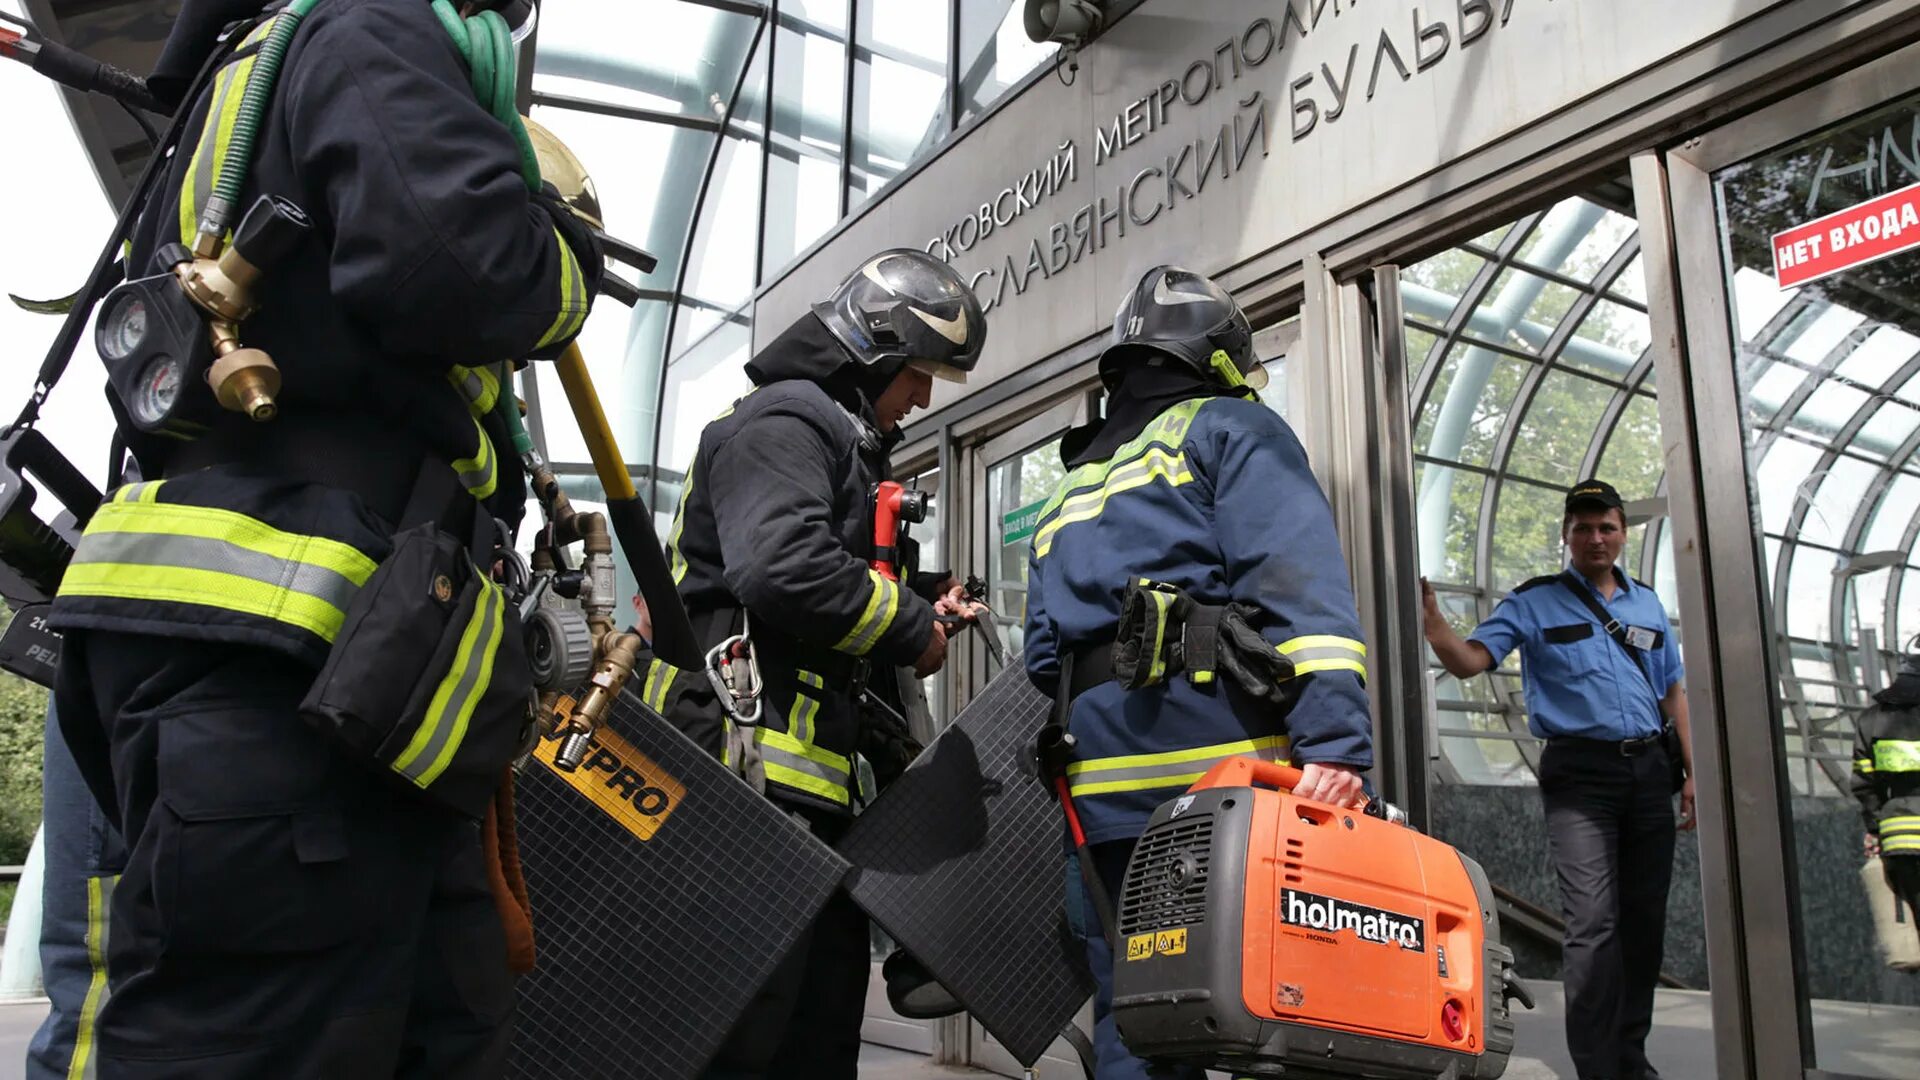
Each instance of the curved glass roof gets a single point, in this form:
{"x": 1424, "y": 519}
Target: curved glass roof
{"x": 727, "y": 137}
{"x": 1529, "y": 348}
{"x": 1528, "y": 353}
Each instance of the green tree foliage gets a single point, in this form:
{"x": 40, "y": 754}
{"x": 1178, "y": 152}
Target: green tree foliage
{"x": 1554, "y": 430}
{"x": 23, "y": 715}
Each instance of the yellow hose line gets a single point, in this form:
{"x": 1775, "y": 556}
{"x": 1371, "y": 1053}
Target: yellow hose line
{"x": 607, "y": 462}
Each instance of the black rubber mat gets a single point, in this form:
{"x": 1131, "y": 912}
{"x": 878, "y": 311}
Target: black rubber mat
{"x": 664, "y": 892}
{"x": 962, "y": 861}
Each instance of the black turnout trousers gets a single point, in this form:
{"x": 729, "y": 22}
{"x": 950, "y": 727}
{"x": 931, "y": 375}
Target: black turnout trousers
{"x": 1610, "y": 830}
{"x": 285, "y": 910}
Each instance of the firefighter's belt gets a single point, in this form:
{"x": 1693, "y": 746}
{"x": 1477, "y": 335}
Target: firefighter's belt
{"x": 375, "y": 459}
{"x": 1164, "y": 633}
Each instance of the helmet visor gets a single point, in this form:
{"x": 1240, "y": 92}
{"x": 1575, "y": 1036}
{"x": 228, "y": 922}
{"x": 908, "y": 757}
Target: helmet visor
{"x": 939, "y": 370}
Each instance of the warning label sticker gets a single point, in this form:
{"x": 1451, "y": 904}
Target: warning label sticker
{"x": 1157, "y": 943}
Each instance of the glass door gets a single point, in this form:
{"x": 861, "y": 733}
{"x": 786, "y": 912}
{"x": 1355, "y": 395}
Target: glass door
{"x": 1014, "y": 474}
{"x": 1797, "y": 244}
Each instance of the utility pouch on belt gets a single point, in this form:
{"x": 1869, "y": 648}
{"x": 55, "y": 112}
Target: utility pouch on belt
{"x": 1164, "y": 632}
{"x": 429, "y": 676}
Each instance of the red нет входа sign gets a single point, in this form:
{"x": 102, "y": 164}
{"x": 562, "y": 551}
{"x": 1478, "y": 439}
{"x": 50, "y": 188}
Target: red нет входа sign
{"x": 1873, "y": 230}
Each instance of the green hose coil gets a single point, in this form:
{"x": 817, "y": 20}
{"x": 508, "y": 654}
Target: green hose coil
{"x": 486, "y": 43}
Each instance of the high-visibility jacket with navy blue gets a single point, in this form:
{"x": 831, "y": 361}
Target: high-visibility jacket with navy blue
{"x": 428, "y": 269}
{"x": 1886, "y": 767}
{"x": 1214, "y": 497}
{"x": 775, "y": 521}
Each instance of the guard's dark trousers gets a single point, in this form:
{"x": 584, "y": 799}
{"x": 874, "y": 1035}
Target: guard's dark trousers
{"x": 1610, "y": 831}
{"x": 804, "y": 1024}
{"x": 285, "y": 911}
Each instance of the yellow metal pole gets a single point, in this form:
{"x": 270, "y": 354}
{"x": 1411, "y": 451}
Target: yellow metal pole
{"x": 607, "y": 462}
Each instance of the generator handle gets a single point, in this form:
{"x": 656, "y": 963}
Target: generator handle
{"x": 1251, "y": 772}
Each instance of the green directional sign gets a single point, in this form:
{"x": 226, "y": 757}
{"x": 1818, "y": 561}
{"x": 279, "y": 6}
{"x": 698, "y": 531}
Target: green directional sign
{"x": 1017, "y": 525}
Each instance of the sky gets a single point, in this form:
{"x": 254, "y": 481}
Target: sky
{"x": 56, "y": 222}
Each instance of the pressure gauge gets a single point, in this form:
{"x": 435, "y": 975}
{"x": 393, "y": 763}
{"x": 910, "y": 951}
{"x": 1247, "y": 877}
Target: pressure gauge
{"x": 158, "y": 390}
{"x": 122, "y": 329}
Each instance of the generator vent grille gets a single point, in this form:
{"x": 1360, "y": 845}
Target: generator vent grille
{"x": 1166, "y": 883}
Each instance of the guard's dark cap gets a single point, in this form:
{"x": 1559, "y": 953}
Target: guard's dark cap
{"x": 1592, "y": 494}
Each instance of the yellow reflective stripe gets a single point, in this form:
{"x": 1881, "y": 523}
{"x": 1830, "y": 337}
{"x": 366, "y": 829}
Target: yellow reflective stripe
{"x": 780, "y": 740}
{"x": 211, "y": 150}
{"x": 1896, "y": 755}
{"x": 883, "y": 603}
{"x": 444, "y": 727}
{"x": 479, "y": 474}
{"x": 206, "y": 522}
{"x": 1178, "y": 757}
{"x": 813, "y": 680}
{"x": 1320, "y": 641}
{"x": 1900, "y": 823}
{"x": 1311, "y": 666}
{"x": 1324, "y": 652}
{"x": 803, "y": 766}
{"x": 1144, "y": 783}
{"x": 99, "y": 900}
{"x": 800, "y": 716}
{"x": 794, "y": 778}
{"x": 1158, "y": 665}
{"x": 573, "y": 297}
{"x": 1896, "y": 845}
{"x": 1176, "y": 769}
{"x": 676, "y": 560}
{"x": 479, "y": 385}
{"x": 207, "y": 588}
{"x": 1863, "y": 765}
{"x": 659, "y": 680}
{"x": 1167, "y": 430}
{"x": 1155, "y": 464}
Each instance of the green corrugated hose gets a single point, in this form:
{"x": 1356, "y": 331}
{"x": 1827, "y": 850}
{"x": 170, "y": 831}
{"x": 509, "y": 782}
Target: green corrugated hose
{"x": 218, "y": 214}
{"x": 485, "y": 42}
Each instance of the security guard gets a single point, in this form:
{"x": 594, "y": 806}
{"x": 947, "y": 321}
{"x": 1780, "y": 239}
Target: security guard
{"x": 773, "y": 538}
{"x": 285, "y": 909}
{"x": 1190, "y": 483}
{"x": 1886, "y": 780}
{"x": 1608, "y": 773}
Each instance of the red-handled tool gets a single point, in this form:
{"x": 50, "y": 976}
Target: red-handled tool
{"x": 894, "y": 508}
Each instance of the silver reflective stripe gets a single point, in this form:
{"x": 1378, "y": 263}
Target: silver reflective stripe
{"x": 775, "y": 755}
{"x": 424, "y": 765}
{"x": 219, "y": 556}
{"x": 481, "y": 475}
{"x": 1334, "y": 652}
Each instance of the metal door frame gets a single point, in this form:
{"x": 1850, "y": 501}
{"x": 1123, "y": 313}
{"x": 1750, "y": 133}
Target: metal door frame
{"x": 1748, "y": 867}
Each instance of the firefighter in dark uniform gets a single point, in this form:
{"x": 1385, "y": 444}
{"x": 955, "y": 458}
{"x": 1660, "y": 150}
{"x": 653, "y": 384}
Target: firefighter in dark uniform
{"x": 773, "y": 538}
{"x": 286, "y": 910}
{"x": 1188, "y": 482}
{"x": 1886, "y": 780}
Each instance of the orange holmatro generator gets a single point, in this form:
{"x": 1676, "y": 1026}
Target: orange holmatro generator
{"x": 1272, "y": 936}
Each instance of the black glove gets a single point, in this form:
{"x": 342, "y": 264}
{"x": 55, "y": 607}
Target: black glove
{"x": 1145, "y": 648}
{"x": 1251, "y": 660}
{"x": 577, "y": 233}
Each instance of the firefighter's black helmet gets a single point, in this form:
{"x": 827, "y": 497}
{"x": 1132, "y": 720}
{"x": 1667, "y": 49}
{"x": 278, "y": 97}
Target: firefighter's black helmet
{"x": 906, "y": 307}
{"x": 1179, "y": 313}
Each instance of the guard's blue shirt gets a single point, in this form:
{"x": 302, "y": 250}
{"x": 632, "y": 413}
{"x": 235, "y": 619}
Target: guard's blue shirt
{"x": 1579, "y": 681}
